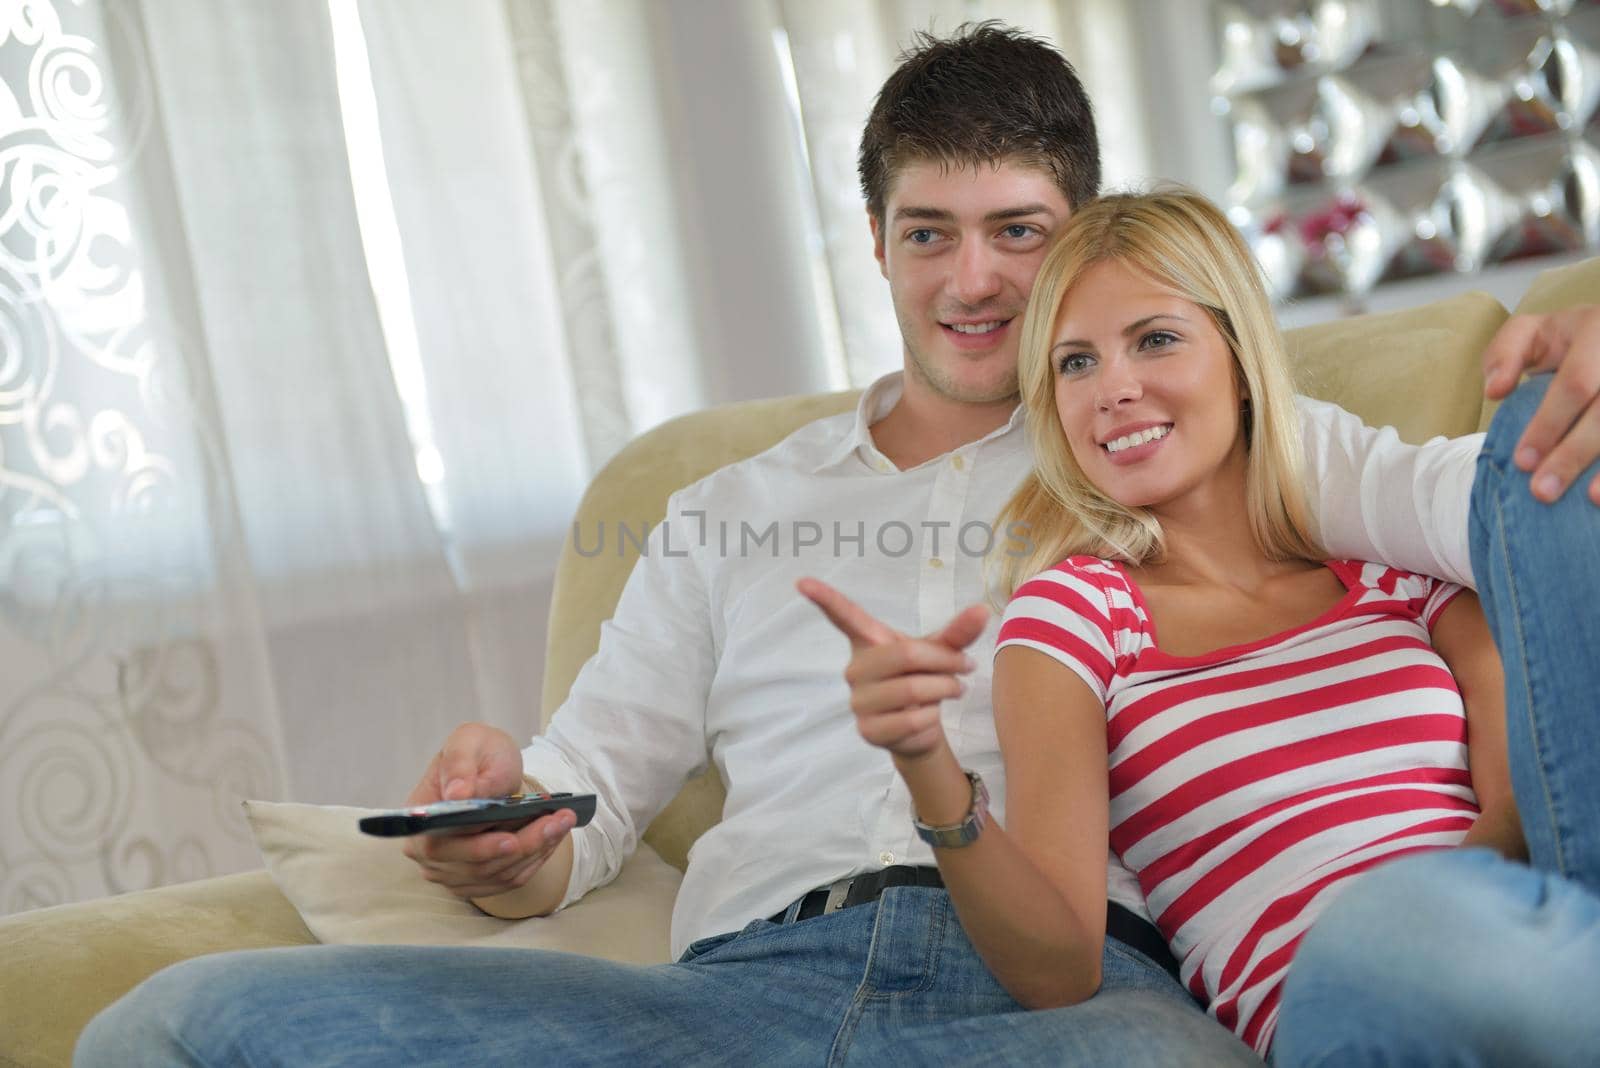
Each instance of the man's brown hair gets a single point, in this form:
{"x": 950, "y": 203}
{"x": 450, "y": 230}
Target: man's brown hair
{"x": 987, "y": 94}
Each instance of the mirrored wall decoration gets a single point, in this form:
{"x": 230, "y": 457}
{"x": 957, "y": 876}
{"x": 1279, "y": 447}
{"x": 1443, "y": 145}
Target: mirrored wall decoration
{"x": 1346, "y": 238}
{"x": 1550, "y": 196}
{"x": 1373, "y": 143}
{"x": 1278, "y": 248}
{"x": 1383, "y": 112}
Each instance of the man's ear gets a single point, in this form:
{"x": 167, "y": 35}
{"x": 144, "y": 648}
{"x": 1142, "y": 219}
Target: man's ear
{"x": 877, "y": 242}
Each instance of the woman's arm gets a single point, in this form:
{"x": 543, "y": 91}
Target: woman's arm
{"x": 1032, "y": 895}
{"x": 1033, "y": 901}
{"x": 1461, "y": 635}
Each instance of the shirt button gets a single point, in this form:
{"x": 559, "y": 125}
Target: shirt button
{"x": 958, "y": 463}
{"x": 936, "y": 562}
{"x": 886, "y": 858}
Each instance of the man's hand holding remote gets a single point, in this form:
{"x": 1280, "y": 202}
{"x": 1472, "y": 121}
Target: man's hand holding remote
{"x": 506, "y": 874}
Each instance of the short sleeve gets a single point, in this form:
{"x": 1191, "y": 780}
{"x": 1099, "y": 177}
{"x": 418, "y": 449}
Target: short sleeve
{"x": 1422, "y": 597}
{"x": 1064, "y": 613}
{"x": 1438, "y": 599}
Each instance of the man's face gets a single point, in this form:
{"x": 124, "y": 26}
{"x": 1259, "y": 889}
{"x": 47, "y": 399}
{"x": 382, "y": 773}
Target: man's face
{"x": 960, "y": 247}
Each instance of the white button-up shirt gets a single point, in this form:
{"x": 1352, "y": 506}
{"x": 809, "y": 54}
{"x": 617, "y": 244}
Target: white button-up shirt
{"x": 712, "y": 657}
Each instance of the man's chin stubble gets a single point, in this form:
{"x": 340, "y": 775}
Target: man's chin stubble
{"x": 946, "y": 387}
{"x": 1004, "y": 390}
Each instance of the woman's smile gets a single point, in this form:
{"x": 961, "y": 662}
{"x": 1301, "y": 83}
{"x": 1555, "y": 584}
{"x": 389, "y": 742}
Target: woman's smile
{"x": 1130, "y": 444}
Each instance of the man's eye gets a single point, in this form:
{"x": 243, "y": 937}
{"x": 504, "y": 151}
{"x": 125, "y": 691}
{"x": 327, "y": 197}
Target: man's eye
{"x": 1075, "y": 363}
{"x": 1018, "y": 231}
{"x": 921, "y": 237}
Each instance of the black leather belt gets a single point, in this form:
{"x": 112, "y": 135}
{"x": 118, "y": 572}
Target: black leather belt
{"x": 1123, "y": 925}
{"x": 860, "y": 889}
{"x": 1134, "y": 932}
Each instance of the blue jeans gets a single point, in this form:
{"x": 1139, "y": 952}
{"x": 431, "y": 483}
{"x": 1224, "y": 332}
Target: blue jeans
{"x": 1462, "y": 957}
{"x": 895, "y": 982}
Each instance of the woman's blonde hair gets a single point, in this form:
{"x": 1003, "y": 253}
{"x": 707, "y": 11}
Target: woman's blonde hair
{"x": 1184, "y": 244}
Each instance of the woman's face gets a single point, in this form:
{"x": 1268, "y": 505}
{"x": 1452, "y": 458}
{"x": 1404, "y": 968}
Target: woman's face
{"x": 1146, "y": 391}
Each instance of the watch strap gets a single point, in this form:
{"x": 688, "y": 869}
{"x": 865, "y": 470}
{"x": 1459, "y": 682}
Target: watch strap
{"x": 956, "y": 835}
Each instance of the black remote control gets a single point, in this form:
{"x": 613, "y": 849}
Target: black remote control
{"x": 477, "y": 814}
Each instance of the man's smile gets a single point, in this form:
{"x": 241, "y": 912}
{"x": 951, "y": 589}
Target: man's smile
{"x": 977, "y": 334}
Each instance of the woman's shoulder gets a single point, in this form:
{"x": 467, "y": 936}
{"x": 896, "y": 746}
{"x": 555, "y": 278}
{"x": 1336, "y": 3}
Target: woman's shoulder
{"x": 1090, "y": 569}
{"x": 1083, "y": 607}
{"x": 1086, "y": 583}
{"x": 1377, "y": 582}
{"x": 1370, "y": 574}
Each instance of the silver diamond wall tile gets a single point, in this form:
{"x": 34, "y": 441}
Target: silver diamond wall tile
{"x": 1345, "y": 237}
{"x": 1465, "y": 101}
{"x": 1515, "y": 8}
{"x": 1294, "y": 108}
{"x": 1552, "y": 191}
{"x": 1381, "y": 111}
{"x": 1383, "y": 140}
{"x": 1260, "y": 152}
{"x": 1533, "y": 105}
{"x": 1343, "y": 30}
{"x": 1446, "y": 216}
{"x": 1248, "y": 44}
{"x": 1579, "y": 42}
{"x": 1277, "y": 246}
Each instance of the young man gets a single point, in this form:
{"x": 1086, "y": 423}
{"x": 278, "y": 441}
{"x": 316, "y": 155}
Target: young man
{"x": 976, "y": 150}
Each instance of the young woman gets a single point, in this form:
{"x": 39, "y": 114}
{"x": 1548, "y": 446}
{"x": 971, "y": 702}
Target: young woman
{"x": 1277, "y": 723}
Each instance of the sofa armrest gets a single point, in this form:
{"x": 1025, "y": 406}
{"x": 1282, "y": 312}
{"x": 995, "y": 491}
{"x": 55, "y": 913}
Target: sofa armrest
{"x": 62, "y": 965}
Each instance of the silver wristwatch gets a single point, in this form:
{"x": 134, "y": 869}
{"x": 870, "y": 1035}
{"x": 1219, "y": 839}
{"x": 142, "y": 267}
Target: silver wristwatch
{"x": 966, "y": 832}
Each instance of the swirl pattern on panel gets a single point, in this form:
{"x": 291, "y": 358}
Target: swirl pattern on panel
{"x": 132, "y": 712}
{"x": 570, "y": 215}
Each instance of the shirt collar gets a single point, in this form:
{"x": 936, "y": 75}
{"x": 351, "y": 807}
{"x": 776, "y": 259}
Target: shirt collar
{"x": 876, "y": 402}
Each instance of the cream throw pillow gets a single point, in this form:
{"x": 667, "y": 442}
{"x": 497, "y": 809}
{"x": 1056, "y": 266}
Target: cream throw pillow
{"x": 353, "y": 888}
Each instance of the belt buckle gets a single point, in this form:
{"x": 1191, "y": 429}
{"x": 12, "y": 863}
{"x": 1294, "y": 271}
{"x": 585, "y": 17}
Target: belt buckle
{"x": 837, "y": 893}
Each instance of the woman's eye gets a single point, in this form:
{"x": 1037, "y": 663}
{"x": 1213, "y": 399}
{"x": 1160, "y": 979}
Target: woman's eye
{"x": 1075, "y": 363}
{"x": 1157, "y": 339}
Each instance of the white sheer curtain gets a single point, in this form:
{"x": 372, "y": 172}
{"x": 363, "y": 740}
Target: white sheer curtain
{"x": 135, "y": 696}
{"x": 316, "y": 316}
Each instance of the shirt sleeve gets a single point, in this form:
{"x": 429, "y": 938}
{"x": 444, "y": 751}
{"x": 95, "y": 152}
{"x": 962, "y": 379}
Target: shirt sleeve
{"x": 1064, "y": 613}
{"x": 1438, "y": 599}
{"x": 632, "y": 729}
{"x": 1374, "y": 497}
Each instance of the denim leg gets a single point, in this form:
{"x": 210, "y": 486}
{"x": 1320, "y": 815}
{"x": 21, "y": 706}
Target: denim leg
{"x": 1538, "y": 572}
{"x": 1462, "y": 957}
{"x": 1457, "y": 957}
{"x": 892, "y": 983}
{"x": 927, "y": 998}
{"x": 408, "y": 1005}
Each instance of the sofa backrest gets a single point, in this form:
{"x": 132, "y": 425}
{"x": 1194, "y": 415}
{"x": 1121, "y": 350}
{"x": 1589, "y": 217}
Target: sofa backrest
{"x": 1416, "y": 370}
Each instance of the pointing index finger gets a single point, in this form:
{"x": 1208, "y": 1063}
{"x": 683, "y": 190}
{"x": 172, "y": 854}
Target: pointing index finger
{"x": 855, "y": 622}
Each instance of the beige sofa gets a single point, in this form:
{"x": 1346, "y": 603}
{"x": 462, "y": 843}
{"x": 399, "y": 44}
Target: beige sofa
{"x": 1417, "y": 370}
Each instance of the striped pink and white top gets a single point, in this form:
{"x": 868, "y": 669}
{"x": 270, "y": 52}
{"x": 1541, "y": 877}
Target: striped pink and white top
{"x": 1248, "y": 783}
